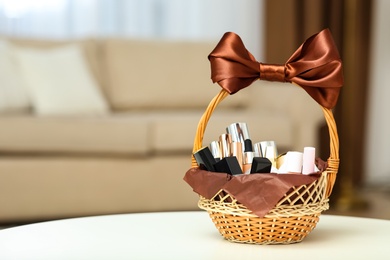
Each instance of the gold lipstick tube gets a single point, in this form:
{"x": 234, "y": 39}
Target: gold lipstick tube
{"x": 236, "y": 150}
{"x": 224, "y": 145}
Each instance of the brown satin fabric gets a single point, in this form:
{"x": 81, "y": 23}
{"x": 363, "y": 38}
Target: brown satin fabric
{"x": 315, "y": 66}
{"x": 258, "y": 192}
{"x": 206, "y": 183}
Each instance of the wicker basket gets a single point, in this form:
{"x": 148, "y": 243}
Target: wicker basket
{"x": 295, "y": 215}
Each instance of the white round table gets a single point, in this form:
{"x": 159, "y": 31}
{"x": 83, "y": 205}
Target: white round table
{"x": 186, "y": 235}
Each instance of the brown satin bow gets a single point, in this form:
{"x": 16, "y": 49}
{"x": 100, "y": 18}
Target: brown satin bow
{"x": 315, "y": 66}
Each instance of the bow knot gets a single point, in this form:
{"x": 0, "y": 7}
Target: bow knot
{"x": 315, "y": 66}
{"x": 272, "y": 72}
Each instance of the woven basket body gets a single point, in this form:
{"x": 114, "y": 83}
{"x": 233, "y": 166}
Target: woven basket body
{"x": 294, "y": 216}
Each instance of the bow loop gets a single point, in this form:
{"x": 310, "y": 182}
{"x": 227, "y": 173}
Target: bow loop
{"x": 315, "y": 66}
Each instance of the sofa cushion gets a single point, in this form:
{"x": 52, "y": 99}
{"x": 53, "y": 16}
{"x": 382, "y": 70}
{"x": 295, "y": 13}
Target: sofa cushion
{"x": 14, "y": 95}
{"x": 104, "y": 135}
{"x": 159, "y": 74}
{"x": 133, "y": 133}
{"x": 42, "y": 188}
{"x": 60, "y": 82}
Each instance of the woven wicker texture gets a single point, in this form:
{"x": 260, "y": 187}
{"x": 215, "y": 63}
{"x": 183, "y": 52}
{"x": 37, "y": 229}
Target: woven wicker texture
{"x": 295, "y": 215}
{"x": 282, "y": 230}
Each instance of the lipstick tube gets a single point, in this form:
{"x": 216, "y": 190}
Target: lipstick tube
{"x": 247, "y": 165}
{"x": 257, "y": 150}
{"x": 239, "y": 132}
{"x": 236, "y": 150}
{"x": 224, "y": 145}
{"x": 215, "y": 150}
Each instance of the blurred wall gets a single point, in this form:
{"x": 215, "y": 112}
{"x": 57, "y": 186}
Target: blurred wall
{"x": 378, "y": 121}
{"x": 350, "y": 24}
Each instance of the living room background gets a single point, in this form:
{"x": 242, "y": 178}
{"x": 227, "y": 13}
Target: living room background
{"x": 165, "y": 19}
{"x": 173, "y": 21}
{"x": 196, "y": 20}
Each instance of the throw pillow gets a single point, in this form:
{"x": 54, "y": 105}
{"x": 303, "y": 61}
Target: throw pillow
{"x": 60, "y": 82}
{"x": 13, "y": 93}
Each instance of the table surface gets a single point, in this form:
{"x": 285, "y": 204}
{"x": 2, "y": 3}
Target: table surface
{"x": 186, "y": 235}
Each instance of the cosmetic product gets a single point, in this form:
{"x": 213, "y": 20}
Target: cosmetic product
{"x": 264, "y": 146}
{"x": 224, "y": 145}
{"x": 228, "y": 165}
{"x": 248, "y": 156}
{"x": 280, "y": 160}
{"x": 268, "y": 150}
{"x": 261, "y": 165}
{"x": 248, "y": 145}
{"x": 309, "y": 154}
{"x": 292, "y": 163}
{"x": 271, "y": 154}
{"x": 247, "y": 164}
{"x": 236, "y": 150}
{"x": 239, "y": 132}
{"x": 215, "y": 150}
{"x": 257, "y": 150}
{"x": 205, "y": 159}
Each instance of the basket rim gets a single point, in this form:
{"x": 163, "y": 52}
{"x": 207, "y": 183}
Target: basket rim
{"x": 225, "y": 203}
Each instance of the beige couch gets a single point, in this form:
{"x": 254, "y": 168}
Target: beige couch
{"x": 124, "y": 143}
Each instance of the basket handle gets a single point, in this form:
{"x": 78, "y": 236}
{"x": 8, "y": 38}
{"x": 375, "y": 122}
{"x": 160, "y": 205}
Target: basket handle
{"x": 333, "y": 160}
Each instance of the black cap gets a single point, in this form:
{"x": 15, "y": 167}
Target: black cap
{"x": 205, "y": 159}
{"x": 248, "y": 145}
{"x": 228, "y": 165}
{"x": 261, "y": 165}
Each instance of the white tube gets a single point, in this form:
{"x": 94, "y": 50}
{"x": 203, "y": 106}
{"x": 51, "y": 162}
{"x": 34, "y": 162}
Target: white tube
{"x": 309, "y": 154}
{"x": 292, "y": 163}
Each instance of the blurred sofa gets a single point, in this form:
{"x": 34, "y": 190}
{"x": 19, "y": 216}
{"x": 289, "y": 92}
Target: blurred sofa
{"x": 104, "y": 126}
